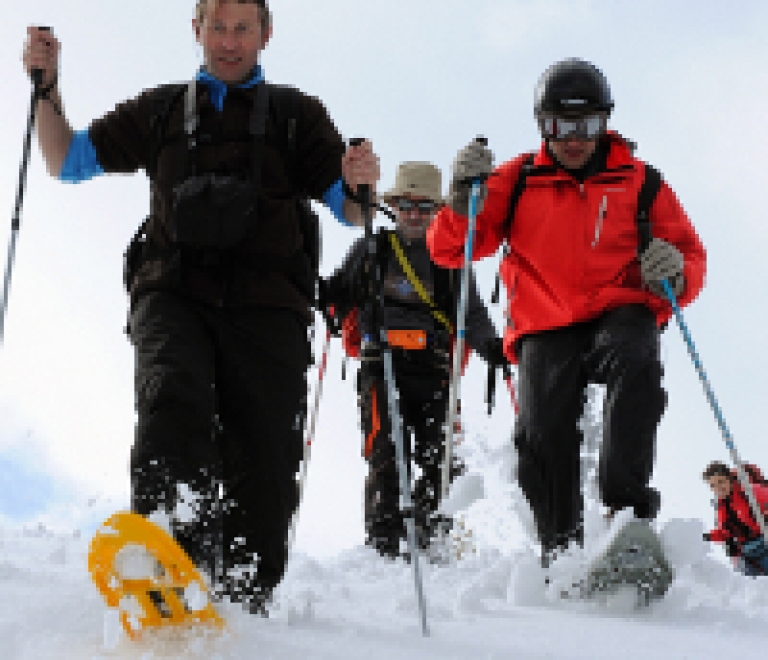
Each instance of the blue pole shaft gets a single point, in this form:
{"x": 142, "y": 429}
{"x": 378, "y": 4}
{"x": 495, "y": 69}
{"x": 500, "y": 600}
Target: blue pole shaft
{"x": 458, "y": 348}
{"x": 710, "y": 394}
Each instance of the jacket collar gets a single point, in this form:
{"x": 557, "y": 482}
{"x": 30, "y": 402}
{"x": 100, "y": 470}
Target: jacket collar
{"x": 218, "y": 89}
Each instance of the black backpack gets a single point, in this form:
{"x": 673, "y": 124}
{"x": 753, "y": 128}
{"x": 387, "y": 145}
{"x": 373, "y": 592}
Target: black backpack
{"x": 645, "y": 198}
{"x": 285, "y": 101}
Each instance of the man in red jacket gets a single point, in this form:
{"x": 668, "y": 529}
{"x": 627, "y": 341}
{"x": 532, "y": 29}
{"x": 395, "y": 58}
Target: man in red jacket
{"x": 583, "y": 305}
{"x": 736, "y": 524}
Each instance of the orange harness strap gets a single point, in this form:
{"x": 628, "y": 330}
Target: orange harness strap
{"x": 409, "y": 340}
{"x": 375, "y": 423}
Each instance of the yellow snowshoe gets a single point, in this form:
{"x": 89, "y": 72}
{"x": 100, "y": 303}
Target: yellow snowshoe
{"x": 140, "y": 570}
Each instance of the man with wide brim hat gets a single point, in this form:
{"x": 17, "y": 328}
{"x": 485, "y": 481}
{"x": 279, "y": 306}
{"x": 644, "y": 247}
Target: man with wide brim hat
{"x": 420, "y": 301}
{"x": 416, "y": 179}
{"x": 419, "y": 184}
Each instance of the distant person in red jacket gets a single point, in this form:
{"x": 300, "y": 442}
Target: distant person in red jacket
{"x": 736, "y": 524}
{"x": 583, "y": 305}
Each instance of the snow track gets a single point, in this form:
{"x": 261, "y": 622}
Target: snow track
{"x": 490, "y": 605}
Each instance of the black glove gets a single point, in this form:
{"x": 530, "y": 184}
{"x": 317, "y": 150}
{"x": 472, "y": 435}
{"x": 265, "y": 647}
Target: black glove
{"x": 322, "y": 295}
{"x": 493, "y": 353}
{"x": 325, "y": 302}
{"x": 707, "y": 536}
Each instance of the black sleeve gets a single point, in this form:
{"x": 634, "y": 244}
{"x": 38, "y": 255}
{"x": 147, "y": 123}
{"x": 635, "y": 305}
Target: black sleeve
{"x": 344, "y": 288}
{"x": 480, "y": 329}
{"x": 121, "y": 137}
{"x": 319, "y": 148}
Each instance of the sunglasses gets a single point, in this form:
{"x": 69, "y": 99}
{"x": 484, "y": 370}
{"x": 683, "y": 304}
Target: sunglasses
{"x": 587, "y": 127}
{"x": 423, "y": 207}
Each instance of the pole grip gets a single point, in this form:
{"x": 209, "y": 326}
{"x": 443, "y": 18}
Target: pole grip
{"x": 363, "y": 189}
{"x": 37, "y": 74}
{"x": 480, "y": 139}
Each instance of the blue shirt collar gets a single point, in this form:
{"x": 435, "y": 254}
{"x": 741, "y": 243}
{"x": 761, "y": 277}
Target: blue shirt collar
{"x": 218, "y": 89}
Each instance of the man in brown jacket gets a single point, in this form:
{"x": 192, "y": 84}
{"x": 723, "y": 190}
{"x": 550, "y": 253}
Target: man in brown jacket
{"x": 220, "y": 290}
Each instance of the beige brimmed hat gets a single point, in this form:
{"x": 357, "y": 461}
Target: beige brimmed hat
{"x": 418, "y": 180}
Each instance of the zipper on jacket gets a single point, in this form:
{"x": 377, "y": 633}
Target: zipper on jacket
{"x": 600, "y": 220}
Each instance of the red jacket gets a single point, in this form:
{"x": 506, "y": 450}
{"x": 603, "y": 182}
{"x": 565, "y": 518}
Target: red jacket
{"x": 569, "y": 261}
{"x": 740, "y": 506}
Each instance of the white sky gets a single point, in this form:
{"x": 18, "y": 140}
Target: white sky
{"x": 420, "y": 78}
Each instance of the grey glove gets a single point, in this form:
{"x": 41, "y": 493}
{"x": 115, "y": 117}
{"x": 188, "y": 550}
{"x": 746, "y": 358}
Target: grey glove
{"x": 662, "y": 261}
{"x": 472, "y": 162}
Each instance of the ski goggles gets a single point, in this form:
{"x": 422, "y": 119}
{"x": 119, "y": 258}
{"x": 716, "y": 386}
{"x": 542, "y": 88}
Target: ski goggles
{"x": 423, "y": 207}
{"x": 585, "y": 127}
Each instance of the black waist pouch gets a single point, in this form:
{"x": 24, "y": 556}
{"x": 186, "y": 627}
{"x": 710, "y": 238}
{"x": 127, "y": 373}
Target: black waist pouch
{"x": 213, "y": 211}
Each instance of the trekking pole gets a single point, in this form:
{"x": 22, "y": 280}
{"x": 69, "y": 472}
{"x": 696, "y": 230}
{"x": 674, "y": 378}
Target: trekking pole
{"x": 310, "y": 434}
{"x": 458, "y": 347}
{"x": 742, "y": 476}
{"x": 37, "y": 81}
{"x": 377, "y": 317}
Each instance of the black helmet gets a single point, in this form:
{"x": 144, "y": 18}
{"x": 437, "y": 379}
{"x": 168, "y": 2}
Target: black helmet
{"x": 572, "y": 85}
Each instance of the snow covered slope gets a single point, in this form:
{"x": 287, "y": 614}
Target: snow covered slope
{"x": 490, "y": 605}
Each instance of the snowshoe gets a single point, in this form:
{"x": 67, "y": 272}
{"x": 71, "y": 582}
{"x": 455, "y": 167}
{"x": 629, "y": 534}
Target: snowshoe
{"x": 631, "y": 557}
{"x": 143, "y": 573}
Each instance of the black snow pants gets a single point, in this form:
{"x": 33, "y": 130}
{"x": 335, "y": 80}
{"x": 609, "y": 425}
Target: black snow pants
{"x": 221, "y": 397}
{"x": 619, "y": 349}
{"x": 421, "y": 378}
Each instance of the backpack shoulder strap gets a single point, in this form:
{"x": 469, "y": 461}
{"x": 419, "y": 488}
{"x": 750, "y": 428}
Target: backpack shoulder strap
{"x": 421, "y": 291}
{"x": 258, "y": 129}
{"x": 383, "y": 249}
{"x": 161, "y": 102}
{"x": 446, "y": 289}
{"x": 645, "y": 198}
{"x": 285, "y": 103}
{"x": 517, "y": 191}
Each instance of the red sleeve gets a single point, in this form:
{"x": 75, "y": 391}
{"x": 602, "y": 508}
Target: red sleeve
{"x": 670, "y": 223}
{"x": 447, "y": 234}
{"x": 720, "y": 534}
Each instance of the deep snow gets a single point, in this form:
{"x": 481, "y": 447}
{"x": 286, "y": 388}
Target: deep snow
{"x": 492, "y": 603}
{"x": 489, "y": 605}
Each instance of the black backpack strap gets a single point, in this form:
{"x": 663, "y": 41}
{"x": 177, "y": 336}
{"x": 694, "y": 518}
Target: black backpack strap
{"x": 258, "y": 130}
{"x": 517, "y": 191}
{"x": 285, "y": 104}
{"x": 161, "y": 102}
{"x": 645, "y": 198}
{"x": 445, "y": 281}
{"x": 514, "y": 198}
{"x": 383, "y": 250}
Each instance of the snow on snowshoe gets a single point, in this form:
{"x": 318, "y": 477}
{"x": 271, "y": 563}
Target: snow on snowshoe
{"x": 142, "y": 572}
{"x": 632, "y": 555}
